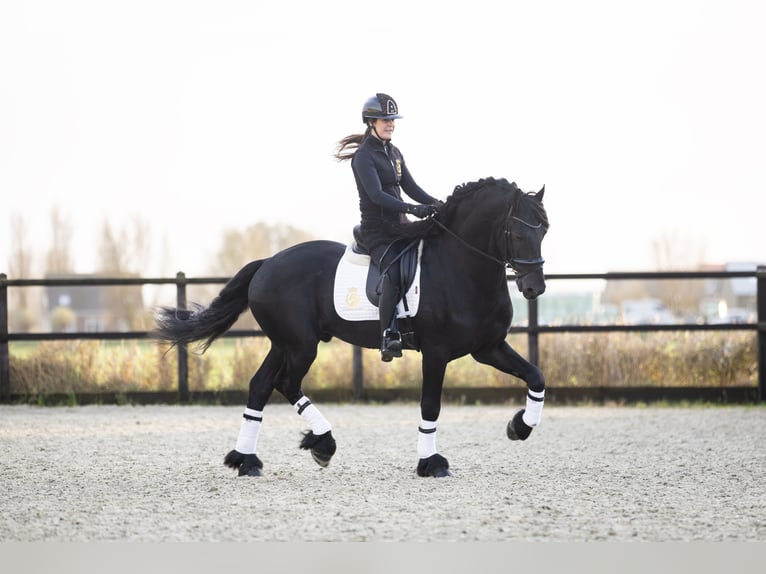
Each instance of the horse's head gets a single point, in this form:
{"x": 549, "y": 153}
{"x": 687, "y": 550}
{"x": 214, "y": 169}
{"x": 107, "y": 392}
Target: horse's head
{"x": 525, "y": 228}
{"x": 497, "y": 220}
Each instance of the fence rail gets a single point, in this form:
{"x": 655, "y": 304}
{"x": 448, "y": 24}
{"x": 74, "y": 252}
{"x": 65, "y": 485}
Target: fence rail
{"x": 533, "y": 329}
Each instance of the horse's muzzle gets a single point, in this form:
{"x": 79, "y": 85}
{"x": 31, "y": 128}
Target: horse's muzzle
{"x": 531, "y": 284}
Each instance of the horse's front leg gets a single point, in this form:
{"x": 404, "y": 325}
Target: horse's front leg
{"x": 505, "y": 359}
{"x": 430, "y": 462}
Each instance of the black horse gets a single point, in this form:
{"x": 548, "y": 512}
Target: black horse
{"x": 465, "y": 308}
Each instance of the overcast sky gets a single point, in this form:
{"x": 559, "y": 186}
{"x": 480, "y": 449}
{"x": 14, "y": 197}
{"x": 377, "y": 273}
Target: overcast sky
{"x": 645, "y": 120}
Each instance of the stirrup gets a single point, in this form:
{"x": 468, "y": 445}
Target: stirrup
{"x": 392, "y": 345}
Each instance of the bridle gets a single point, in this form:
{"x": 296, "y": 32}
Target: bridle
{"x": 520, "y": 266}
{"x": 516, "y": 263}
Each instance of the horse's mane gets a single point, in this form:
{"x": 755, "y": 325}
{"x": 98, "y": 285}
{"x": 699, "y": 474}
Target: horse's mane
{"x": 467, "y": 190}
{"x": 428, "y": 227}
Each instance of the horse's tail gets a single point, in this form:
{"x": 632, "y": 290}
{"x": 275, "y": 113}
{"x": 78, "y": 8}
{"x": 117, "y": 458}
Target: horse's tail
{"x": 188, "y": 326}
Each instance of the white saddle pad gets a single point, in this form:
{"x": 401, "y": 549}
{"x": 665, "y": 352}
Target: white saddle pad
{"x": 350, "y": 294}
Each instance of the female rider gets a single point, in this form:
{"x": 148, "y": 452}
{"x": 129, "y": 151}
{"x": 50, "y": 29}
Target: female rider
{"x": 381, "y": 175}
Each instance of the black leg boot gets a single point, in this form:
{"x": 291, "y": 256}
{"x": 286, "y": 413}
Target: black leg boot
{"x": 391, "y": 345}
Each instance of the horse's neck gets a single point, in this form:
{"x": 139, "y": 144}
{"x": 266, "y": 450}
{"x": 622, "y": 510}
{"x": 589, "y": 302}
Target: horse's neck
{"x": 474, "y": 263}
{"x": 478, "y": 236}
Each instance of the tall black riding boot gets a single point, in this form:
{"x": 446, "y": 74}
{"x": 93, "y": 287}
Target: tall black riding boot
{"x": 392, "y": 340}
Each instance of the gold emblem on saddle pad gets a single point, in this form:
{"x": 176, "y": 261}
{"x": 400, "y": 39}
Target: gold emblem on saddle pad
{"x": 352, "y": 298}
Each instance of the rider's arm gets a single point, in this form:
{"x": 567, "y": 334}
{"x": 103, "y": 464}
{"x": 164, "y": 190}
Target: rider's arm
{"x": 412, "y": 189}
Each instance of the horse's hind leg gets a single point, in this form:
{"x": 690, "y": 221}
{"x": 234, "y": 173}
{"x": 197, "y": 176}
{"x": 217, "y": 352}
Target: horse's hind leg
{"x": 244, "y": 458}
{"x": 318, "y": 440}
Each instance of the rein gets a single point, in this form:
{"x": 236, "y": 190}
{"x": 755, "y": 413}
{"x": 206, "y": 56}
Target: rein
{"x": 468, "y": 245}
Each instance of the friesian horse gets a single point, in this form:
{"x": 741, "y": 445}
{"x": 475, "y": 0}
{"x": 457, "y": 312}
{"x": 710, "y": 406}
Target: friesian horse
{"x": 465, "y": 308}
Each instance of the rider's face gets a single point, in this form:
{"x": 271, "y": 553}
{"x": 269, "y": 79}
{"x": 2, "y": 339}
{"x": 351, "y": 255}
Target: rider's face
{"x": 383, "y": 129}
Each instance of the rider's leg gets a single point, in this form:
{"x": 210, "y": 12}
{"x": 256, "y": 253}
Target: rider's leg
{"x": 391, "y": 345}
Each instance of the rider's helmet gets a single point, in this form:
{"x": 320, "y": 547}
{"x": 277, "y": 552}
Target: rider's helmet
{"x": 380, "y": 106}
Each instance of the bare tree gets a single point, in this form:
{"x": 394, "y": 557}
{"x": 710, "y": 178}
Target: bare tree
{"x": 671, "y": 252}
{"x": 675, "y": 252}
{"x": 112, "y": 250}
{"x": 256, "y": 242}
{"x": 21, "y": 314}
{"x": 120, "y": 253}
{"x": 124, "y": 250}
{"x": 59, "y": 261}
{"x": 59, "y": 258}
{"x": 21, "y": 256}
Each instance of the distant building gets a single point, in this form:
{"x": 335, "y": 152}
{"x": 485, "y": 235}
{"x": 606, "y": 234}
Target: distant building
{"x": 649, "y": 301}
{"x": 730, "y": 300}
{"x": 646, "y": 312}
{"x": 578, "y": 308}
{"x": 94, "y": 308}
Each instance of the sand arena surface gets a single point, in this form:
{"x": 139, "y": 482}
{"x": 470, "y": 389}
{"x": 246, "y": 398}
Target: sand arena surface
{"x": 155, "y": 473}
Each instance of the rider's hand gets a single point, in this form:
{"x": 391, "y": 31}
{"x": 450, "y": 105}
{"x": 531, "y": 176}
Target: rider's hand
{"x": 421, "y": 211}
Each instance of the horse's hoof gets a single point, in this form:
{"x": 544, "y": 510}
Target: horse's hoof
{"x": 517, "y": 429}
{"x": 321, "y": 459}
{"x": 435, "y": 465}
{"x": 245, "y": 464}
{"x": 253, "y": 471}
{"x": 441, "y": 473}
{"x": 322, "y": 447}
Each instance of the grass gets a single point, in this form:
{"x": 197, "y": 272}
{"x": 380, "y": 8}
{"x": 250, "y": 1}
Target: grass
{"x": 666, "y": 359}
{"x": 662, "y": 359}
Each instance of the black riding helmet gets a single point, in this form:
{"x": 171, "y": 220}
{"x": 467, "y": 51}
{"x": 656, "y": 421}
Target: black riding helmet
{"x": 380, "y": 106}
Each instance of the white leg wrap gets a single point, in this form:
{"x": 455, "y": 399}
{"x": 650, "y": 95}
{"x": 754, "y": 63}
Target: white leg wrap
{"x": 317, "y": 422}
{"x": 247, "y": 441}
{"x": 426, "y": 438}
{"x": 534, "y": 410}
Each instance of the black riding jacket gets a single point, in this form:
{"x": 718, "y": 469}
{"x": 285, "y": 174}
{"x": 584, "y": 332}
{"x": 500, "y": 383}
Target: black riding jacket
{"x": 381, "y": 175}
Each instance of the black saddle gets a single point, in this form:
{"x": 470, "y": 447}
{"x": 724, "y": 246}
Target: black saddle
{"x": 406, "y": 258}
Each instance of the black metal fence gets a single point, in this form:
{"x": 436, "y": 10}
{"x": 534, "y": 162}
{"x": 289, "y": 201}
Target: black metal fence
{"x": 533, "y": 329}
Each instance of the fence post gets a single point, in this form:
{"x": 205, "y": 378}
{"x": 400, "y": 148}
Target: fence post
{"x": 5, "y": 359}
{"x": 533, "y": 337}
{"x": 761, "y": 304}
{"x": 357, "y": 375}
{"x": 183, "y": 354}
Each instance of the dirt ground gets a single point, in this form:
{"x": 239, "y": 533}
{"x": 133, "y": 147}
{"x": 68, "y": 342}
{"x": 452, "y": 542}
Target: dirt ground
{"x": 155, "y": 473}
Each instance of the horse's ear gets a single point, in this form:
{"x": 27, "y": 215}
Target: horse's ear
{"x": 539, "y": 194}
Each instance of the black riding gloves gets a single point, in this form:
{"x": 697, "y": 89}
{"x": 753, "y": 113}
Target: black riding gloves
{"x": 421, "y": 211}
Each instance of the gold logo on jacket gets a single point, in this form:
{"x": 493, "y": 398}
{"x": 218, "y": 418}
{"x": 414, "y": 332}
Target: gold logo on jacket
{"x": 398, "y": 168}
